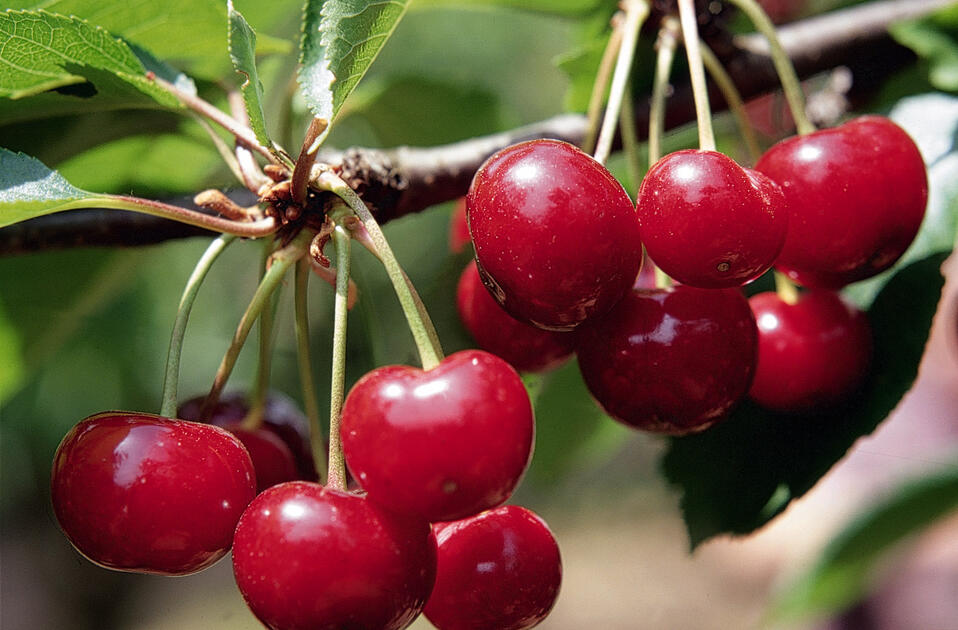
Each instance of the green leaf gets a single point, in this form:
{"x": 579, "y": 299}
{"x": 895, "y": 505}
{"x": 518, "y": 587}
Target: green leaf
{"x": 935, "y": 39}
{"x": 29, "y": 189}
{"x": 341, "y": 39}
{"x": 558, "y": 7}
{"x": 242, "y": 45}
{"x": 845, "y": 569}
{"x": 41, "y": 51}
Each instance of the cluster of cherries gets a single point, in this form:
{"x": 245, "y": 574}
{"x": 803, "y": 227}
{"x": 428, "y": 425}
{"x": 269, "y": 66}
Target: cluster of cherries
{"x": 559, "y": 246}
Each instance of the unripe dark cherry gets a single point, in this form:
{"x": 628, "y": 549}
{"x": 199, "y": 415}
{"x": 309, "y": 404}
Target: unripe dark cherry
{"x": 856, "y": 195}
{"x": 525, "y": 347}
{"x": 556, "y": 236}
{"x": 708, "y": 222}
{"x": 306, "y": 557}
{"x": 499, "y": 569}
{"x": 441, "y": 444}
{"x": 811, "y": 353}
{"x": 143, "y": 493}
{"x": 673, "y": 360}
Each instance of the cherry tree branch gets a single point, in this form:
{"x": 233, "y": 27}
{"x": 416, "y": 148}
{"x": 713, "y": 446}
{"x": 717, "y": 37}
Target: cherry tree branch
{"x": 398, "y": 181}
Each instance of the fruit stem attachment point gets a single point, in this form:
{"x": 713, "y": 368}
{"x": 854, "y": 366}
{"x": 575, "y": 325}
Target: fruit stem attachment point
{"x": 732, "y": 98}
{"x": 337, "y": 468}
{"x": 168, "y": 400}
{"x": 785, "y": 288}
{"x": 635, "y": 13}
{"x": 420, "y": 325}
{"x": 665, "y": 55}
{"x": 783, "y": 64}
{"x": 310, "y": 399}
{"x": 703, "y": 110}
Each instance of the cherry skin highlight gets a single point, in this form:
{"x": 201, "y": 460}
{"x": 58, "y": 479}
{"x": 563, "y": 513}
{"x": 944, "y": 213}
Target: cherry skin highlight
{"x": 856, "y": 196}
{"x": 708, "y": 222}
{"x": 673, "y": 360}
{"x": 523, "y": 346}
{"x": 811, "y": 353}
{"x": 441, "y": 444}
{"x": 556, "y": 236}
{"x": 499, "y": 569}
{"x": 307, "y": 557}
{"x": 142, "y": 493}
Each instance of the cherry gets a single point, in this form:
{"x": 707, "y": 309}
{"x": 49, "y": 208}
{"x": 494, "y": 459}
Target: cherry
{"x": 525, "y": 347}
{"x": 440, "y": 444}
{"x": 708, "y": 222}
{"x": 499, "y": 569}
{"x": 459, "y": 237}
{"x": 856, "y": 194}
{"x": 139, "y": 492}
{"x": 811, "y": 353}
{"x": 670, "y": 360}
{"x": 307, "y": 557}
{"x": 556, "y": 236}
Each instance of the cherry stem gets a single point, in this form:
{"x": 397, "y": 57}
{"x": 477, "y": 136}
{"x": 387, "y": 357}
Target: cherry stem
{"x": 666, "y": 45}
{"x": 635, "y": 13}
{"x": 257, "y": 399}
{"x": 221, "y": 147}
{"x": 783, "y": 64}
{"x": 601, "y": 85}
{"x": 248, "y": 229}
{"x": 662, "y": 279}
{"x": 282, "y": 259}
{"x": 733, "y": 98}
{"x": 337, "y": 468}
{"x": 307, "y": 157}
{"x": 310, "y": 399}
{"x": 786, "y": 289}
{"x": 630, "y": 142}
{"x": 703, "y": 110}
{"x": 169, "y": 400}
{"x": 420, "y": 325}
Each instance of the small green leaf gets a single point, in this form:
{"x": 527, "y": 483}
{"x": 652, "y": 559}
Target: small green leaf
{"x": 843, "y": 572}
{"x": 29, "y": 189}
{"x": 242, "y": 45}
{"x": 341, "y": 39}
{"x": 41, "y": 51}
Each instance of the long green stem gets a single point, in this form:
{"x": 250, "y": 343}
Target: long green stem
{"x": 630, "y": 142}
{"x": 257, "y": 398}
{"x": 310, "y": 399}
{"x": 703, "y": 110}
{"x": 337, "y": 468}
{"x": 785, "y": 288}
{"x": 169, "y": 398}
{"x": 600, "y": 87}
{"x": 635, "y": 13}
{"x": 665, "y": 56}
{"x": 420, "y": 325}
{"x": 733, "y": 98}
{"x": 783, "y": 64}
{"x": 282, "y": 260}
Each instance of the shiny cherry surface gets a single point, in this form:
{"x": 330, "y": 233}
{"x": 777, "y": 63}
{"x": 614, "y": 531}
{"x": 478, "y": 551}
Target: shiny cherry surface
{"x": 499, "y": 569}
{"x": 310, "y": 558}
{"x": 139, "y": 492}
{"x": 525, "y": 347}
{"x": 556, "y": 236}
{"x": 441, "y": 444}
{"x": 856, "y": 196}
{"x": 708, "y": 222}
{"x": 671, "y": 360}
{"x": 810, "y": 353}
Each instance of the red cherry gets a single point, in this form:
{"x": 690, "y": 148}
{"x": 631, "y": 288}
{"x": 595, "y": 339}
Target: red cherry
{"x": 556, "y": 236}
{"x": 525, "y": 347}
{"x": 459, "y": 228}
{"x": 810, "y": 353}
{"x": 708, "y": 222}
{"x": 440, "y": 444}
{"x": 139, "y": 492}
{"x": 856, "y": 194}
{"x": 307, "y": 557}
{"x": 272, "y": 459}
{"x": 671, "y": 360}
{"x": 499, "y": 569}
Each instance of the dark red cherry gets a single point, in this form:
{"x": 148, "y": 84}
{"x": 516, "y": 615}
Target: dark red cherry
{"x": 708, "y": 222}
{"x": 671, "y": 360}
{"x": 499, "y": 569}
{"x": 856, "y": 194}
{"x": 306, "y": 557}
{"x": 459, "y": 237}
{"x": 139, "y": 492}
{"x": 525, "y": 347}
{"x": 273, "y": 461}
{"x": 556, "y": 236}
{"x": 441, "y": 444}
{"x": 811, "y": 353}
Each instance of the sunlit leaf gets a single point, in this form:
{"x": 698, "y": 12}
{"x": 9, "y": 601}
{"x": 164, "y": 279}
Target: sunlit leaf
{"x": 242, "y": 45}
